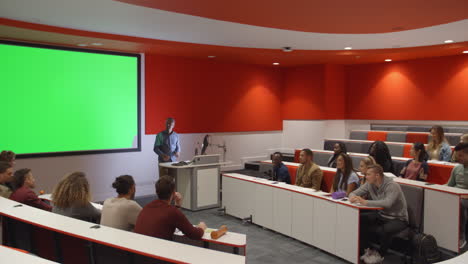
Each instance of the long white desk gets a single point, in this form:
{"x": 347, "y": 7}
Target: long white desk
{"x": 302, "y": 213}
{"x": 131, "y": 242}
{"x": 230, "y": 242}
{"x": 441, "y": 209}
{"x": 441, "y": 212}
{"x": 8, "y": 255}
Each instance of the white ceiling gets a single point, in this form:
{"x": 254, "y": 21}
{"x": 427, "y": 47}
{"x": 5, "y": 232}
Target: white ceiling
{"x": 107, "y": 16}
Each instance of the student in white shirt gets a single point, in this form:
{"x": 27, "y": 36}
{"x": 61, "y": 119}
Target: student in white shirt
{"x": 121, "y": 212}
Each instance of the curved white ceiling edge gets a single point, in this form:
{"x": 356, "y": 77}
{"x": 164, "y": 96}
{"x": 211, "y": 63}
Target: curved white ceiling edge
{"x": 108, "y": 16}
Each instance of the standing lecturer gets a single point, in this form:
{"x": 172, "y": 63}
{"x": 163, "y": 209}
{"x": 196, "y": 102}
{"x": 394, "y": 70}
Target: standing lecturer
{"x": 167, "y": 145}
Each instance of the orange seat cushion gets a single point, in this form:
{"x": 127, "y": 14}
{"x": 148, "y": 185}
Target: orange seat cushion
{"x": 417, "y": 137}
{"x": 327, "y": 180}
{"x": 297, "y": 152}
{"x": 292, "y": 173}
{"x": 407, "y": 150}
{"x": 377, "y": 135}
{"x": 439, "y": 173}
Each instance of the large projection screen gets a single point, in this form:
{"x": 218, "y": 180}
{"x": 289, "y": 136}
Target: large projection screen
{"x": 64, "y": 101}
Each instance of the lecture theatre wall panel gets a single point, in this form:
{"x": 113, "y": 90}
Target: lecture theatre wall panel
{"x": 208, "y": 96}
{"x": 424, "y": 89}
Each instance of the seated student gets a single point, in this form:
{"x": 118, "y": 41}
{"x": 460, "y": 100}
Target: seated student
{"x": 6, "y": 173}
{"x": 24, "y": 182}
{"x": 346, "y": 180}
{"x": 280, "y": 171}
{"x": 438, "y": 148}
{"x": 339, "y": 147}
{"x": 71, "y": 197}
{"x": 463, "y": 139}
{"x": 8, "y": 156}
{"x": 417, "y": 168}
{"x": 364, "y": 164}
{"x": 309, "y": 174}
{"x": 121, "y": 212}
{"x": 383, "y": 192}
{"x": 381, "y": 154}
{"x": 160, "y": 219}
{"x": 459, "y": 179}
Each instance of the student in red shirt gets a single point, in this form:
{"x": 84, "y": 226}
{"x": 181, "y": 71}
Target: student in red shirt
{"x": 24, "y": 182}
{"x": 160, "y": 219}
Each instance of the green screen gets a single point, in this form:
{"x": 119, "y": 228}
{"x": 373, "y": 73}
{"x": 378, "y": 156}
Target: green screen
{"x": 60, "y": 100}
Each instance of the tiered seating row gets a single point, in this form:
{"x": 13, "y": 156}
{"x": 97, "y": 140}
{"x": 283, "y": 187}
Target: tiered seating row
{"x": 421, "y": 128}
{"x": 439, "y": 172}
{"x": 401, "y": 136}
{"x": 67, "y": 240}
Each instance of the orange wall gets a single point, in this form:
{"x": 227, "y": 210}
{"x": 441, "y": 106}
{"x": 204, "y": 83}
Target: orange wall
{"x": 314, "y": 92}
{"x": 303, "y": 96}
{"x": 426, "y": 89}
{"x": 207, "y": 96}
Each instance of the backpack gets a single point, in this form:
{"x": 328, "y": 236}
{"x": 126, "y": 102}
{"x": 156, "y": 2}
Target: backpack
{"x": 425, "y": 249}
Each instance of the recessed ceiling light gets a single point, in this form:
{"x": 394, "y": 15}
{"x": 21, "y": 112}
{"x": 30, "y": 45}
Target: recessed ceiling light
{"x": 275, "y": 63}
{"x": 448, "y": 41}
{"x": 348, "y": 48}
{"x": 96, "y": 44}
{"x": 82, "y": 45}
{"x": 388, "y": 60}
{"x": 466, "y": 51}
{"x": 211, "y": 56}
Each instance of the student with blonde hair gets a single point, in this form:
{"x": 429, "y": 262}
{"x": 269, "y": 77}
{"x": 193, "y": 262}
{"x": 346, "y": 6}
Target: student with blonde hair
{"x": 71, "y": 197}
{"x": 364, "y": 164}
{"x": 438, "y": 148}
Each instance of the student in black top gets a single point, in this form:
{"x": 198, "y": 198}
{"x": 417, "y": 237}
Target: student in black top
{"x": 381, "y": 154}
{"x": 338, "y": 148}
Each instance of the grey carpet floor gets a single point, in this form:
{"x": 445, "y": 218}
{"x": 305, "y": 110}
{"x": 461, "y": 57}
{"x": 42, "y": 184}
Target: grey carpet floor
{"x": 263, "y": 245}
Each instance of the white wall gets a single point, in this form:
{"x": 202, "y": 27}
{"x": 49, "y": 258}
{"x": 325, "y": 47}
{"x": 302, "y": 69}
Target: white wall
{"x": 310, "y": 133}
{"x": 101, "y": 169}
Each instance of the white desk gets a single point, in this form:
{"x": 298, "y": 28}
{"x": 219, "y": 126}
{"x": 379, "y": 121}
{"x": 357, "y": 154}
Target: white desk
{"x": 302, "y": 213}
{"x": 128, "y": 241}
{"x": 441, "y": 205}
{"x": 441, "y": 212}
{"x": 231, "y": 242}
{"x": 8, "y": 255}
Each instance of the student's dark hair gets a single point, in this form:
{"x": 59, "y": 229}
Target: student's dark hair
{"x": 462, "y": 147}
{"x": 19, "y": 177}
{"x": 308, "y": 152}
{"x": 7, "y": 156}
{"x": 423, "y": 156}
{"x": 170, "y": 119}
{"x": 279, "y": 154}
{"x": 4, "y": 166}
{"x": 342, "y": 147}
{"x": 346, "y": 173}
{"x": 165, "y": 186}
{"x": 123, "y": 184}
{"x": 377, "y": 169}
{"x": 381, "y": 153}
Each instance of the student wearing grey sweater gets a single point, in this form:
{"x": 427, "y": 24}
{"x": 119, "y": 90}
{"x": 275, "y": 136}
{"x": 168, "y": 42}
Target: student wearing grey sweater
{"x": 381, "y": 191}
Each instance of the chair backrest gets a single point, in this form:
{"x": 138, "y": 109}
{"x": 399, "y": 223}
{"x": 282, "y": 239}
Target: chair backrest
{"x": 415, "y": 202}
{"x": 360, "y": 135}
{"x": 321, "y": 158}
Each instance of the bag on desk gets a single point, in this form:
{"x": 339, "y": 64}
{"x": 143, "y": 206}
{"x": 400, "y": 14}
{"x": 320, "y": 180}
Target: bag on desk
{"x": 338, "y": 195}
{"x": 425, "y": 249}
